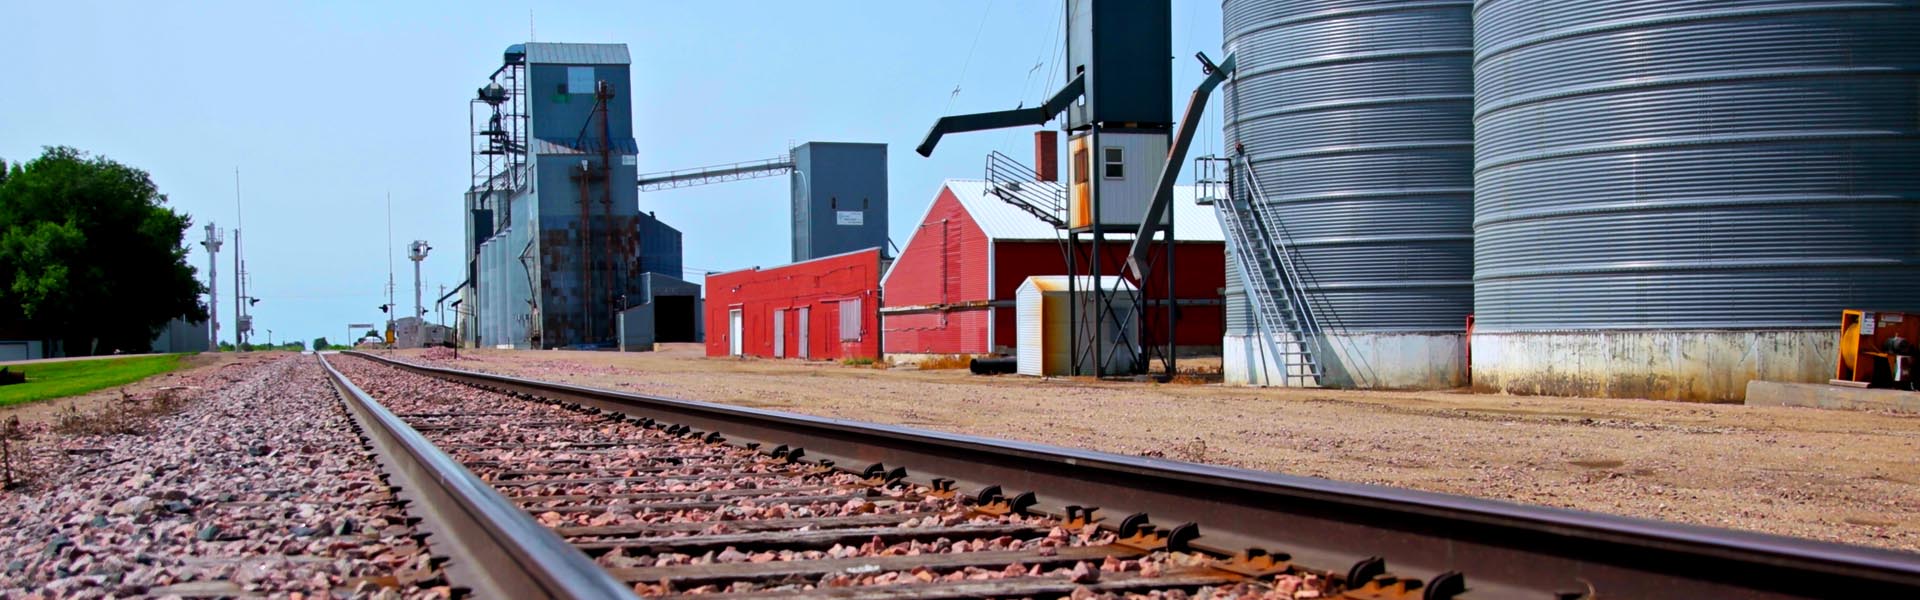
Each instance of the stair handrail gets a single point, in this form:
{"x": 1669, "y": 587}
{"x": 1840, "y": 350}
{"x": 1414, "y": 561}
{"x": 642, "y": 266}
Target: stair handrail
{"x": 1257, "y": 298}
{"x": 1021, "y": 186}
{"x": 1295, "y": 281}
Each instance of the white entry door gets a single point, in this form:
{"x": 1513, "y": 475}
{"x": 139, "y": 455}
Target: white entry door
{"x": 780, "y": 333}
{"x": 804, "y": 330}
{"x": 733, "y": 332}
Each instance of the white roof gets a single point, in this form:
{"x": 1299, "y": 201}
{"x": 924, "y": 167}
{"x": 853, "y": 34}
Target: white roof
{"x": 1003, "y": 221}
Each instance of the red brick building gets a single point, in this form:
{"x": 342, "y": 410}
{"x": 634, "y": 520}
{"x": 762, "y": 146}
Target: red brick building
{"x": 951, "y": 291}
{"x": 821, "y": 309}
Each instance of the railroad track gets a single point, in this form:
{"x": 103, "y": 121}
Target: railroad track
{"x": 565, "y": 491}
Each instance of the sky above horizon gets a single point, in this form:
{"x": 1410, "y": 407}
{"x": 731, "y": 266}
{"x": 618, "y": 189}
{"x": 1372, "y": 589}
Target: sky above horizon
{"x": 327, "y": 108}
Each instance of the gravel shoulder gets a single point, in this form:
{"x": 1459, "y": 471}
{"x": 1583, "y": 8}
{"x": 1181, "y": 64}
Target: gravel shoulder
{"x": 250, "y": 482}
{"x": 1833, "y": 475}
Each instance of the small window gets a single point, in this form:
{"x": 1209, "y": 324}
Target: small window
{"x": 1115, "y": 163}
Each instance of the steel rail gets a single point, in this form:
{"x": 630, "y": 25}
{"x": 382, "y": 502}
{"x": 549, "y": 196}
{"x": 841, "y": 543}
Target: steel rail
{"x": 1503, "y": 549}
{"x": 499, "y": 551}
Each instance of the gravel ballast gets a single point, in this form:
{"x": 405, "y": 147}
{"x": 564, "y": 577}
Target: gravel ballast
{"x": 257, "y": 485}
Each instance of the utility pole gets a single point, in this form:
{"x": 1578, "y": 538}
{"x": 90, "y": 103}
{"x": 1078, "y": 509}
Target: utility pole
{"x": 390, "y": 305}
{"x": 417, "y": 252}
{"x": 212, "y": 243}
{"x": 240, "y": 324}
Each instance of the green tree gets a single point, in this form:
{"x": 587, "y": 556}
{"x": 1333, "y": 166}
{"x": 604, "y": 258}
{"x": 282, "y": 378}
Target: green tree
{"x": 91, "y": 255}
{"x": 320, "y": 343}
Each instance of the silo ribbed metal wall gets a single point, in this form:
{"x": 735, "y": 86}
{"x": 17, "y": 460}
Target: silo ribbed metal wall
{"x": 1239, "y": 314}
{"x": 1357, "y": 119}
{"x": 1694, "y": 164}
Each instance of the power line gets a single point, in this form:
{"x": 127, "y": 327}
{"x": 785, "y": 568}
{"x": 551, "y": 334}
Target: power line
{"x": 964, "y": 65}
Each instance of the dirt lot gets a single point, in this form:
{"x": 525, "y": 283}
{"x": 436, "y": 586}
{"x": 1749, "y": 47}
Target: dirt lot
{"x": 1843, "y": 476}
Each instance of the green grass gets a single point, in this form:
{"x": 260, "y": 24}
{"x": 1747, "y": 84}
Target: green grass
{"x": 69, "y": 378}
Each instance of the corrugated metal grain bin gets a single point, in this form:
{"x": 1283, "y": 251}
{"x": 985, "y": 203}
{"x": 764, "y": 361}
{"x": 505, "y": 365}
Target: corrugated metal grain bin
{"x": 1356, "y": 117}
{"x": 1674, "y": 197}
{"x": 1045, "y": 309}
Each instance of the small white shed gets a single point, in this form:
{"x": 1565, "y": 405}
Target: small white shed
{"x": 1045, "y": 308}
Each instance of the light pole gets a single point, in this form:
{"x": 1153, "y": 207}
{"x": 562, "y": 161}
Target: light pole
{"x": 212, "y": 244}
{"x": 269, "y": 339}
{"x": 417, "y": 252}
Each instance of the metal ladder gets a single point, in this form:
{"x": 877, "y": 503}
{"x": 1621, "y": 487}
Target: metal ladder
{"x": 1268, "y": 275}
{"x": 1020, "y": 185}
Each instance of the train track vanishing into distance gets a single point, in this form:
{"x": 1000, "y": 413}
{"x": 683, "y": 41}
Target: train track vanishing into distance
{"x": 534, "y": 489}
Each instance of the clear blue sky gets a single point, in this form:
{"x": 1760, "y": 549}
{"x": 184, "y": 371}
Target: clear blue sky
{"x": 327, "y": 107}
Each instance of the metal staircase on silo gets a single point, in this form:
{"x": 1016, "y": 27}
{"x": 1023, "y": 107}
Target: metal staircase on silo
{"x": 1283, "y": 318}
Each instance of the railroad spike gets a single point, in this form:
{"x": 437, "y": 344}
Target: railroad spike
{"x": 1080, "y": 516}
{"x": 1445, "y": 586}
{"x": 1021, "y": 502}
{"x": 941, "y": 487}
{"x": 873, "y": 471}
{"x": 1366, "y": 570}
{"x": 897, "y": 474}
{"x": 779, "y": 451}
{"x": 714, "y": 437}
{"x": 794, "y": 456}
{"x": 1130, "y": 526}
{"x": 987, "y": 495}
{"x": 1182, "y": 537}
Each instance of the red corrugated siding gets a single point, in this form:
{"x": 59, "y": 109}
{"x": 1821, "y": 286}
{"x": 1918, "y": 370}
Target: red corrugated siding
{"x": 1201, "y": 274}
{"x": 955, "y": 332}
{"x": 820, "y": 285}
{"x": 944, "y": 263}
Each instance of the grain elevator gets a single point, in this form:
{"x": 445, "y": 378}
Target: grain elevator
{"x": 556, "y": 244}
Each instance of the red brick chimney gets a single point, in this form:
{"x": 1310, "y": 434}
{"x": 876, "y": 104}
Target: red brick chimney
{"x": 1046, "y": 154}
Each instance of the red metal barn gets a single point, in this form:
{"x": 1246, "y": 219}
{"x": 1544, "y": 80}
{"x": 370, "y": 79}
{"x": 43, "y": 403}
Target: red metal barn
{"x": 821, "y": 309}
{"x": 951, "y": 291}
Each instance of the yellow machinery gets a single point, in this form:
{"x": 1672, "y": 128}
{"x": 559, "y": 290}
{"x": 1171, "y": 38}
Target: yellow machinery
{"x": 1877, "y": 348}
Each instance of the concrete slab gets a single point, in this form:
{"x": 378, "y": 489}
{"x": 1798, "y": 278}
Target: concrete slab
{"x": 1821, "y": 395}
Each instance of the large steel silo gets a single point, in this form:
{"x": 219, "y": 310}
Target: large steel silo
{"x": 1674, "y": 197}
{"x": 1356, "y": 119}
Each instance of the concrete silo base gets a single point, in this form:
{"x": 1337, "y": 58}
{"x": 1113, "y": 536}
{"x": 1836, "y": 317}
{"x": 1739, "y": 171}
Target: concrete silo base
{"x": 1368, "y": 360}
{"x": 1701, "y": 366}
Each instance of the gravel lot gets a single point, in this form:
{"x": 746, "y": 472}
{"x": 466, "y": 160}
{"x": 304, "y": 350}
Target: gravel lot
{"x": 252, "y": 483}
{"x": 1832, "y": 475}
